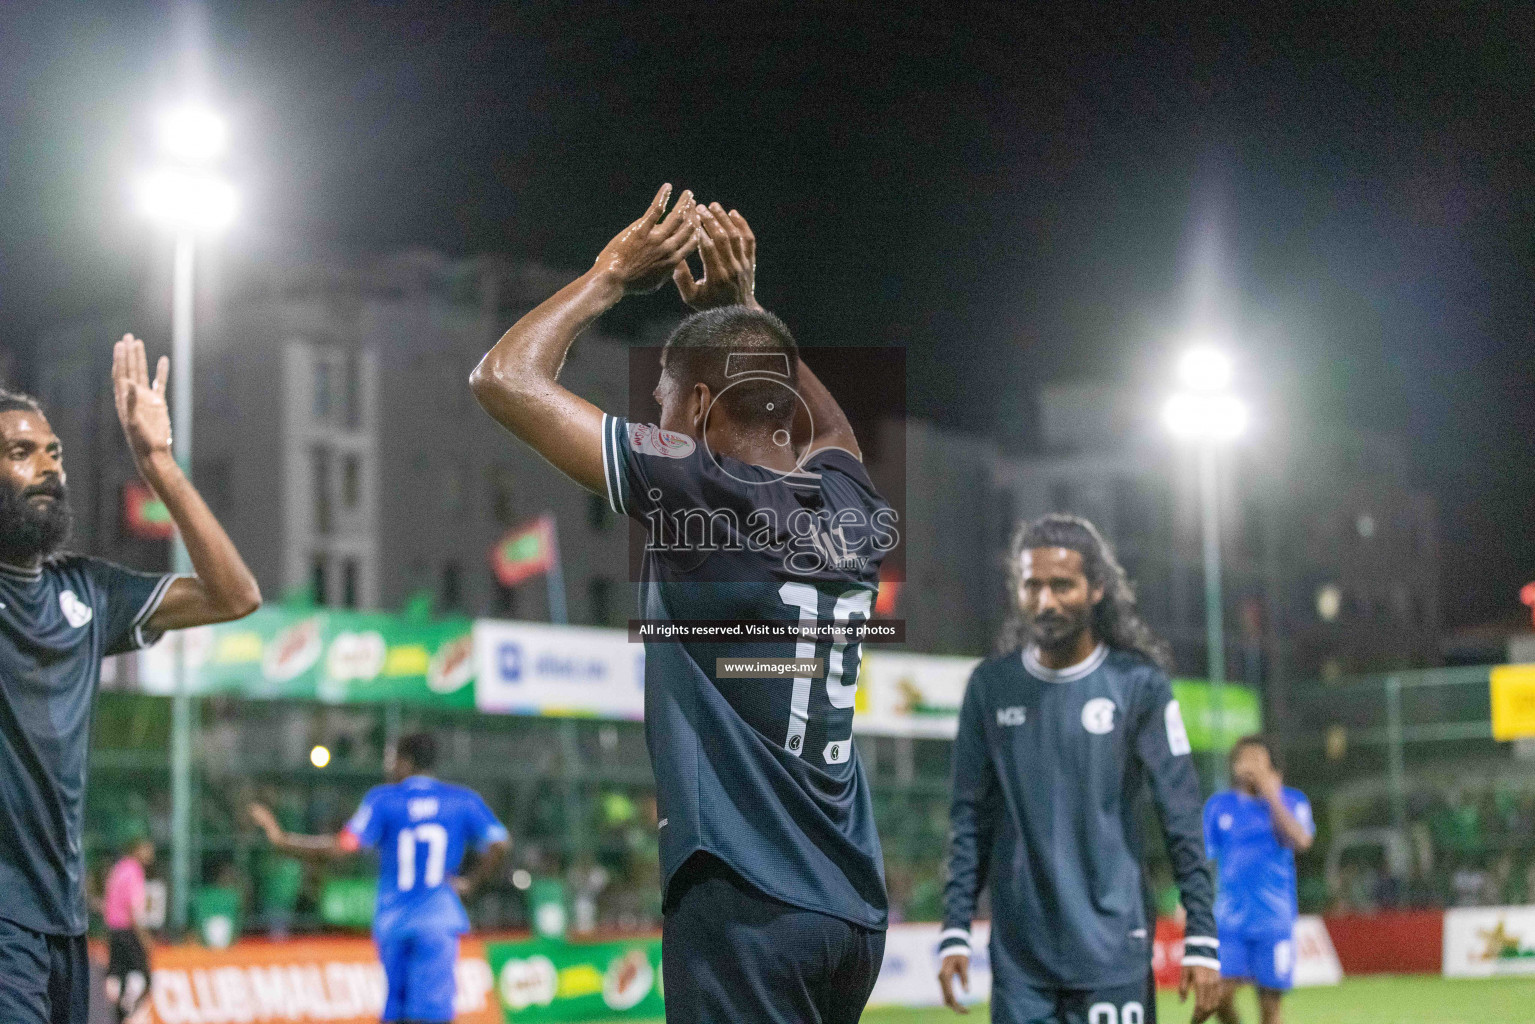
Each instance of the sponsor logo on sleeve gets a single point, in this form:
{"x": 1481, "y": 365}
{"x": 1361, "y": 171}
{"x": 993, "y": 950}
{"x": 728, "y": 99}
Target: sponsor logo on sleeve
{"x": 648, "y": 439}
{"x": 1177, "y": 735}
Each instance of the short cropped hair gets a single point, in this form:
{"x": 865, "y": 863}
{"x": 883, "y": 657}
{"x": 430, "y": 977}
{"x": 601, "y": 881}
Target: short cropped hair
{"x": 419, "y": 748}
{"x": 746, "y": 357}
{"x": 15, "y": 401}
{"x": 1252, "y": 741}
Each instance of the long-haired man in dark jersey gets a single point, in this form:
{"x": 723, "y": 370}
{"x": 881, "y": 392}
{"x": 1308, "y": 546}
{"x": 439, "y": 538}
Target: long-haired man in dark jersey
{"x": 757, "y": 507}
{"x": 1058, "y": 736}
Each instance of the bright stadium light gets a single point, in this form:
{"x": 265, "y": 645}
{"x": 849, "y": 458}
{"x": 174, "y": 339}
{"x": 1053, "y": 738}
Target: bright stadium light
{"x": 187, "y": 200}
{"x": 319, "y": 756}
{"x": 1204, "y": 368}
{"x": 192, "y": 133}
{"x": 1205, "y": 417}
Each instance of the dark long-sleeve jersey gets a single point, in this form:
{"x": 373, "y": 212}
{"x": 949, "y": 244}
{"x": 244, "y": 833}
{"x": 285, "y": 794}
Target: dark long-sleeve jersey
{"x": 1049, "y": 767}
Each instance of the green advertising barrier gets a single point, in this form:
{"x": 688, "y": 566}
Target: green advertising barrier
{"x": 348, "y": 902}
{"x": 1240, "y": 710}
{"x": 331, "y": 655}
{"x": 544, "y": 980}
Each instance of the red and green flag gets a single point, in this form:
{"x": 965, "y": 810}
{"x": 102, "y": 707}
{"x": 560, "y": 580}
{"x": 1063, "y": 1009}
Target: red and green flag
{"x": 526, "y": 551}
{"x": 145, "y": 514}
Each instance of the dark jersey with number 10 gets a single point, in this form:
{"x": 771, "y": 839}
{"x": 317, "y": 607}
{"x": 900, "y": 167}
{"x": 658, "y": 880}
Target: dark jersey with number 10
{"x": 760, "y": 772}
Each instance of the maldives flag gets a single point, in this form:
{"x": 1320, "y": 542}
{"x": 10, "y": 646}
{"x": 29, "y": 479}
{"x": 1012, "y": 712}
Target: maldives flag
{"x": 524, "y": 552}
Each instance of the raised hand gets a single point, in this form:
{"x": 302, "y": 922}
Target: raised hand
{"x": 265, "y": 820}
{"x": 642, "y": 255}
{"x": 141, "y": 407}
{"x": 729, "y": 253}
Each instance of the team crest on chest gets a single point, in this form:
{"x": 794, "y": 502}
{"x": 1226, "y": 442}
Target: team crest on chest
{"x": 648, "y": 439}
{"x": 76, "y": 612}
{"x": 1098, "y": 716}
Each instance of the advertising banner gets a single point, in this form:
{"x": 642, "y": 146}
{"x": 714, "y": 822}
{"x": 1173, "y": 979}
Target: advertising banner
{"x": 543, "y": 980}
{"x": 1316, "y": 963}
{"x": 530, "y": 669}
{"x": 1481, "y": 942}
{"x": 331, "y": 655}
{"x": 298, "y": 981}
{"x": 909, "y": 975}
{"x": 1239, "y": 710}
{"x": 910, "y": 694}
{"x": 1513, "y": 701}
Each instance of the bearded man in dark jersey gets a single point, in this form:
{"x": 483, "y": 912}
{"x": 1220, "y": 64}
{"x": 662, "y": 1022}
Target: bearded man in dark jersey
{"x": 60, "y": 614}
{"x": 756, "y": 507}
{"x": 1058, "y": 737}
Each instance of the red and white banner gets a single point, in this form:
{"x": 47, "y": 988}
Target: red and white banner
{"x": 338, "y": 980}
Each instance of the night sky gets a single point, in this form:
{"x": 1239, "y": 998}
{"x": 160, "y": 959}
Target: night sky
{"x": 1016, "y": 197}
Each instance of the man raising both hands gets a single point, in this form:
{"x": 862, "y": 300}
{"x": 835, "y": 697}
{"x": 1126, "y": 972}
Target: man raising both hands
{"x": 772, "y": 879}
{"x": 60, "y": 614}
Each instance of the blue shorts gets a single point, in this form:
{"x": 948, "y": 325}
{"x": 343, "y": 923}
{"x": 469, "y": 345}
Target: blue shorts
{"x": 419, "y": 970}
{"x": 1267, "y": 961}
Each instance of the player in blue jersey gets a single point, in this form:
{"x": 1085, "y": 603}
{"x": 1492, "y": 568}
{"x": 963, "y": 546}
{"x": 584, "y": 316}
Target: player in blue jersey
{"x": 60, "y": 614}
{"x": 421, "y": 828}
{"x": 1059, "y": 736}
{"x": 1253, "y": 832}
{"x": 756, "y": 507}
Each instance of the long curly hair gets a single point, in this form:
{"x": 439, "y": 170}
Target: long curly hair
{"x": 1116, "y": 619}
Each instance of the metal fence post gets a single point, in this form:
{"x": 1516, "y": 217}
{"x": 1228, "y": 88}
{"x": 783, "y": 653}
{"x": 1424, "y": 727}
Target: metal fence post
{"x": 1396, "y": 771}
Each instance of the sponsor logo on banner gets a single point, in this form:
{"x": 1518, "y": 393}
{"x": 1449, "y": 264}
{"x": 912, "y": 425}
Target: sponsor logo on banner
{"x": 1485, "y": 941}
{"x": 531, "y": 669}
{"x": 305, "y": 980}
{"x": 543, "y": 980}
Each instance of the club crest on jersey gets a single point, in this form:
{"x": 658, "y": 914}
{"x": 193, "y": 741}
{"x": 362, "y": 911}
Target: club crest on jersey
{"x": 1098, "y": 716}
{"x": 76, "y": 612}
{"x": 648, "y": 439}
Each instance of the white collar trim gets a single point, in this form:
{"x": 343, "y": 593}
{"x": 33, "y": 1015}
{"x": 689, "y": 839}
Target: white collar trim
{"x": 1085, "y": 667}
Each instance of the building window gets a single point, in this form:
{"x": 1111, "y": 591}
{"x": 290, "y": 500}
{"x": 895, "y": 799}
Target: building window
{"x": 353, "y": 394}
{"x": 321, "y": 458}
{"x": 324, "y": 388}
{"x": 349, "y": 583}
{"x": 449, "y": 590}
{"x": 503, "y": 494}
{"x": 599, "y": 595}
{"x": 351, "y": 481}
{"x": 597, "y": 512}
{"x": 318, "y": 570}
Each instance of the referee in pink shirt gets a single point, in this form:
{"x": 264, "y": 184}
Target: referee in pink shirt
{"x": 123, "y": 907}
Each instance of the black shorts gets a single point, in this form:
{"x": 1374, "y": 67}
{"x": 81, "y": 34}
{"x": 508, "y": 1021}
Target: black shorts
{"x": 44, "y": 979}
{"x": 1132, "y": 1003}
{"x": 127, "y": 971}
{"x": 729, "y": 955}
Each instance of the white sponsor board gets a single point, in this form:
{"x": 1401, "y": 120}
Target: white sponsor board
{"x": 1484, "y": 941}
{"x": 910, "y": 694}
{"x": 909, "y": 975}
{"x": 527, "y": 669}
{"x": 1316, "y": 961}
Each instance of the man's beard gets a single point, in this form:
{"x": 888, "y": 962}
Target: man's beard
{"x": 31, "y": 530}
{"x": 1052, "y": 630}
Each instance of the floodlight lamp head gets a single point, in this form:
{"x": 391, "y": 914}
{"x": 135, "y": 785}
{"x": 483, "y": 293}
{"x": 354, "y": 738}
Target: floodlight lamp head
{"x": 1204, "y": 368}
{"x": 192, "y": 133}
{"x": 187, "y": 200}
